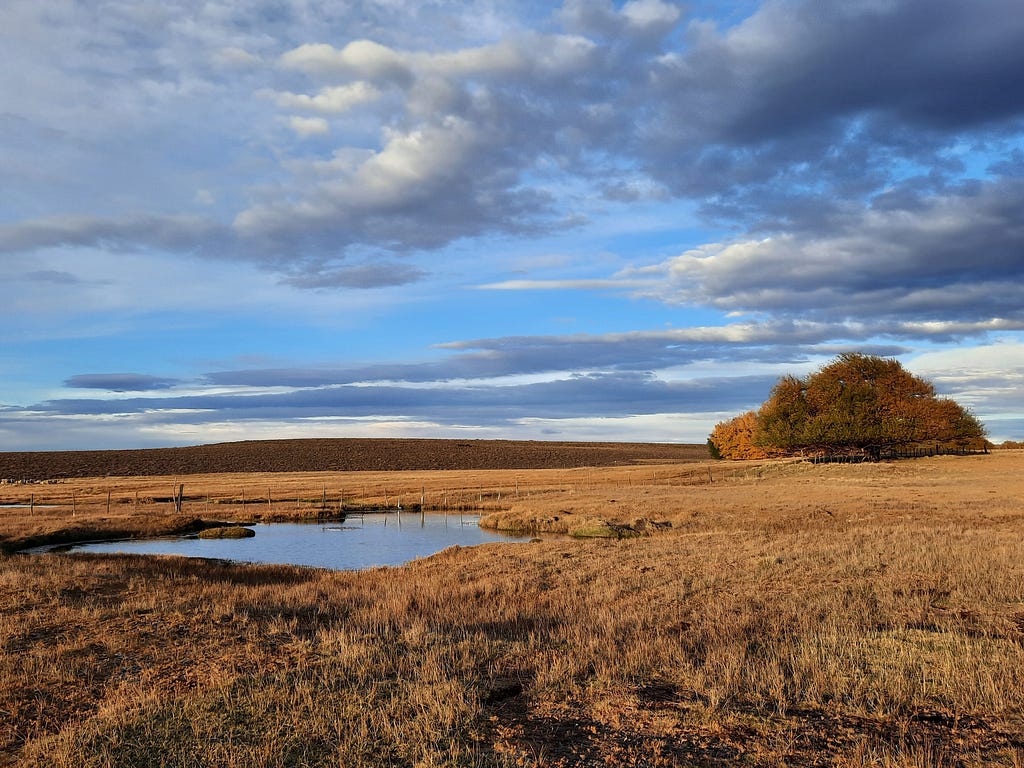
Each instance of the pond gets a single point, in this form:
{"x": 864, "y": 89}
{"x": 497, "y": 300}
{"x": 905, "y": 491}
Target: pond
{"x": 360, "y": 542}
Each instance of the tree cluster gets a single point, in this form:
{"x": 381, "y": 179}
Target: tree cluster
{"x": 857, "y": 404}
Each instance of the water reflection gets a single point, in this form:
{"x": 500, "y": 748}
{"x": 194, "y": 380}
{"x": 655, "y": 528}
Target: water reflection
{"x": 359, "y": 542}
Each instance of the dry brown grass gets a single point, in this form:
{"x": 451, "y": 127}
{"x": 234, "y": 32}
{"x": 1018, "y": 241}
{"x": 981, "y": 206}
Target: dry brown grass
{"x": 798, "y": 615}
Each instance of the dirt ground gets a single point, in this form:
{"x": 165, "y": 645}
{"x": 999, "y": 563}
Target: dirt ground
{"x": 338, "y": 455}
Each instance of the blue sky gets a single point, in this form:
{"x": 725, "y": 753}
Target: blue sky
{"x": 235, "y": 219}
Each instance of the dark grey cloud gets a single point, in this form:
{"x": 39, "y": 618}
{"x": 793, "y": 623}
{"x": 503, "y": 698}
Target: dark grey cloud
{"x": 828, "y": 97}
{"x": 949, "y": 260}
{"x": 376, "y": 275}
{"x": 124, "y": 233}
{"x": 120, "y": 382}
{"x": 625, "y": 353}
{"x": 53, "y": 276}
{"x": 579, "y": 396}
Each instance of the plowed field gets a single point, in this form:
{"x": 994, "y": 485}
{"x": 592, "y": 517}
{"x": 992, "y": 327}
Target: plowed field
{"x": 339, "y": 455}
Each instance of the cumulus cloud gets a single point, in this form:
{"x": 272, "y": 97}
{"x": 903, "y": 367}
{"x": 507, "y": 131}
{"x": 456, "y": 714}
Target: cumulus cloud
{"x": 777, "y": 124}
{"x": 329, "y": 101}
{"x": 790, "y": 94}
{"x": 953, "y": 259}
{"x": 309, "y": 126}
{"x": 455, "y": 161}
{"x": 364, "y": 58}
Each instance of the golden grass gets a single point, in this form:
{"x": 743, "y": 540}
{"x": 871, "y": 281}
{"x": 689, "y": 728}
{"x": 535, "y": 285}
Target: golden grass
{"x": 868, "y": 615}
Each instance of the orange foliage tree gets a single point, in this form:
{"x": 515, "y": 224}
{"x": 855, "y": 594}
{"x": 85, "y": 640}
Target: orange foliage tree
{"x": 855, "y": 404}
{"x": 734, "y": 439}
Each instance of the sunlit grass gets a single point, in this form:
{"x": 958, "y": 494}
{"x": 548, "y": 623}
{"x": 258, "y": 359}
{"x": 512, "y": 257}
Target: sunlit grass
{"x": 848, "y": 616}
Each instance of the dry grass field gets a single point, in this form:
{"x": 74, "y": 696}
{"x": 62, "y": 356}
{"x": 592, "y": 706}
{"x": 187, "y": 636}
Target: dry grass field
{"x": 752, "y": 614}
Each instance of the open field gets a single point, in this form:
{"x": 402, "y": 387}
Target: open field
{"x": 338, "y": 455}
{"x": 791, "y": 614}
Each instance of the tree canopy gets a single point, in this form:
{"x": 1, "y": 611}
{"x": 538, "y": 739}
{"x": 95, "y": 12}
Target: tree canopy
{"x": 857, "y": 404}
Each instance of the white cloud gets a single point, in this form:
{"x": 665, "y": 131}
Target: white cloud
{"x": 361, "y": 58}
{"x": 946, "y": 263}
{"x": 333, "y": 100}
{"x": 309, "y": 126}
{"x": 651, "y": 14}
{"x": 235, "y": 58}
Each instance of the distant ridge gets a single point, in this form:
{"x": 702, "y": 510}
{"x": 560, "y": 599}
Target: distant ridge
{"x": 337, "y": 455}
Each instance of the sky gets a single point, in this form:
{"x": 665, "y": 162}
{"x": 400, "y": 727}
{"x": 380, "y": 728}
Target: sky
{"x": 246, "y": 219}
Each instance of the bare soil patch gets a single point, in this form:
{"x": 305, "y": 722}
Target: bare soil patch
{"x": 338, "y": 455}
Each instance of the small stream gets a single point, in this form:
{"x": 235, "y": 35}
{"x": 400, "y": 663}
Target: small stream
{"x": 361, "y": 541}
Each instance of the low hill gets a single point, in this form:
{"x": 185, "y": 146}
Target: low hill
{"x": 338, "y": 455}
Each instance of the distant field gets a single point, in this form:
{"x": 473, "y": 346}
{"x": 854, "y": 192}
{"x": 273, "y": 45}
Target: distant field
{"x": 339, "y": 455}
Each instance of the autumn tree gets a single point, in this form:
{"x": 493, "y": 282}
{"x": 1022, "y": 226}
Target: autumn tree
{"x": 734, "y": 439}
{"x": 855, "y": 404}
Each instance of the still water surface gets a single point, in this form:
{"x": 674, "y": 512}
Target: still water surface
{"x": 374, "y": 539}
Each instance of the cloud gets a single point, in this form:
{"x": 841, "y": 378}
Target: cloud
{"x": 501, "y": 361}
{"x": 124, "y": 233}
{"x": 452, "y": 162}
{"x": 364, "y": 58}
{"x": 580, "y": 396}
{"x": 309, "y": 126}
{"x": 52, "y": 276}
{"x": 951, "y": 259}
{"x": 120, "y": 382}
{"x": 593, "y": 284}
{"x": 329, "y": 101}
{"x": 371, "y": 275}
{"x": 790, "y": 97}
{"x": 499, "y": 126}
{"x": 637, "y": 20}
